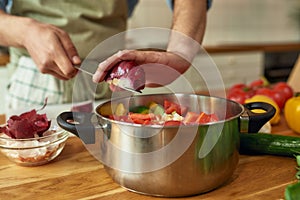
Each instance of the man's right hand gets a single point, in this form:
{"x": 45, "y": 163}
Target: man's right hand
{"x": 50, "y": 47}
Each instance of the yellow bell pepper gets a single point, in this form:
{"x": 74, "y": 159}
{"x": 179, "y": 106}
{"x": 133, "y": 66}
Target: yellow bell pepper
{"x": 292, "y": 113}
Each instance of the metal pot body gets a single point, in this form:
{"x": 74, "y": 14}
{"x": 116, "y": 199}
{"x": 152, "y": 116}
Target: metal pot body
{"x": 169, "y": 161}
{"x": 180, "y": 166}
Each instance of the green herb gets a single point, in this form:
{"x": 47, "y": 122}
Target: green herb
{"x": 297, "y": 156}
{"x": 292, "y": 192}
{"x": 298, "y": 160}
{"x": 140, "y": 109}
{"x": 298, "y": 174}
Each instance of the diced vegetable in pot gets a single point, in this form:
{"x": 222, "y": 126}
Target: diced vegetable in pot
{"x": 156, "y": 114}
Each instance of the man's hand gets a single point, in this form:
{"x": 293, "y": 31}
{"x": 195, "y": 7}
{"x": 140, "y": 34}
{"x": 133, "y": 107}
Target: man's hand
{"x": 52, "y": 50}
{"x": 161, "y": 68}
{"x": 50, "y": 47}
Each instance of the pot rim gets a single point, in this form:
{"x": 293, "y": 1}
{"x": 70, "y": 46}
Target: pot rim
{"x": 169, "y": 126}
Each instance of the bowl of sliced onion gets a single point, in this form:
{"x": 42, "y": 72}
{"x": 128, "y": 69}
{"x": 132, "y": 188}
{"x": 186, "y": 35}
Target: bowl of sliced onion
{"x": 29, "y": 139}
{"x": 34, "y": 151}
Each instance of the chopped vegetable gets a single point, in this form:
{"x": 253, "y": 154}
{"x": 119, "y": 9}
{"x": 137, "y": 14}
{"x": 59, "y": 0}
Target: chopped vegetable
{"x": 207, "y": 118}
{"x": 140, "y": 109}
{"x": 156, "y": 114}
{"x": 174, "y": 116}
{"x": 172, "y": 106}
{"x": 26, "y": 125}
{"x": 156, "y": 109}
{"x": 202, "y": 118}
{"x": 140, "y": 118}
{"x": 191, "y": 118}
{"x": 172, "y": 123}
{"x": 120, "y": 110}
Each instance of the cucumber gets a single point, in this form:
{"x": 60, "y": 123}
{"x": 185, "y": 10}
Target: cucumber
{"x": 270, "y": 144}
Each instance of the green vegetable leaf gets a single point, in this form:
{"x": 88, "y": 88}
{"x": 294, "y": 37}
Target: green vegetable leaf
{"x": 298, "y": 175}
{"x": 140, "y": 109}
{"x": 298, "y": 160}
{"x": 292, "y": 191}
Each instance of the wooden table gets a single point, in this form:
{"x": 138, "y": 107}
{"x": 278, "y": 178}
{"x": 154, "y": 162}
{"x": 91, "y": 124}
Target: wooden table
{"x": 75, "y": 174}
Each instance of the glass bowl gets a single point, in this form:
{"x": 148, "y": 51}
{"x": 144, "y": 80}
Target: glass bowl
{"x": 34, "y": 151}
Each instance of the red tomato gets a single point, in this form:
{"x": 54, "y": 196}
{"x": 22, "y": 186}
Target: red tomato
{"x": 237, "y": 96}
{"x": 279, "y": 92}
{"x": 238, "y": 86}
{"x": 277, "y": 96}
{"x": 285, "y": 88}
{"x": 256, "y": 84}
{"x": 171, "y": 107}
{"x": 240, "y": 92}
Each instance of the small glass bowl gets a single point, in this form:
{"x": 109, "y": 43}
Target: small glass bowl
{"x": 34, "y": 151}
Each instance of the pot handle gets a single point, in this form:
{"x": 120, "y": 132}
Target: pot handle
{"x": 78, "y": 123}
{"x": 252, "y": 122}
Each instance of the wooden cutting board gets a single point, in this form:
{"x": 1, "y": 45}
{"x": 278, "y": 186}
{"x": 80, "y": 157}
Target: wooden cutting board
{"x": 2, "y": 119}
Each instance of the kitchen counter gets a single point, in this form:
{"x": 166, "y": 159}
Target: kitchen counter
{"x": 244, "y": 47}
{"x": 75, "y": 174}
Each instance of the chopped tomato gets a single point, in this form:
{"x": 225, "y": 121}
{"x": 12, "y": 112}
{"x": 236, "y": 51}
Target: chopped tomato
{"x": 166, "y": 116}
{"x": 172, "y": 123}
{"x": 147, "y": 122}
{"x": 143, "y": 116}
{"x": 206, "y": 118}
{"x": 138, "y": 121}
{"x": 191, "y": 118}
{"x": 140, "y": 118}
{"x": 123, "y": 118}
{"x": 214, "y": 117}
{"x": 171, "y": 107}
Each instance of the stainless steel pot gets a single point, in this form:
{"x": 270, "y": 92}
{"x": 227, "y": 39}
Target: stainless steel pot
{"x": 170, "y": 161}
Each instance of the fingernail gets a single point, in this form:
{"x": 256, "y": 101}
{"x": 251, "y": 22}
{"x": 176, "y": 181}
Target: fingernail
{"x": 76, "y": 60}
{"x": 96, "y": 76}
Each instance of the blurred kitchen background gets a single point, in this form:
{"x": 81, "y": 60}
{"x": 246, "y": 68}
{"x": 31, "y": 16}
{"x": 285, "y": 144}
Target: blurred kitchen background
{"x": 246, "y": 39}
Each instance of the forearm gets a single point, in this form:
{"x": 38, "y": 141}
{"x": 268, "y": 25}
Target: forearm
{"x": 12, "y": 30}
{"x": 189, "y": 19}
